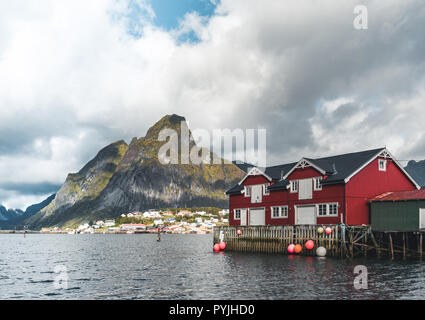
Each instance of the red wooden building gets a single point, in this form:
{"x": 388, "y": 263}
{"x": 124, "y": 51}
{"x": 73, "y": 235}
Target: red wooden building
{"x": 317, "y": 191}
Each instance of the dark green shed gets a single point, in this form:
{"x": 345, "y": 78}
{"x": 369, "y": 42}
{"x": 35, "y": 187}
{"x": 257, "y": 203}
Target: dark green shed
{"x": 398, "y": 211}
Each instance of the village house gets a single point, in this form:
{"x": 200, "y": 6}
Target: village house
{"x": 185, "y": 213}
{"x": 326, "y": 190}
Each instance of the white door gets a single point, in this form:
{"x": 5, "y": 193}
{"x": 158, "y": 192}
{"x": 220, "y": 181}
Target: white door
{"x": 306, "y": 215}
{"x": 257, "y": 217}
{"x": 256, "y": 193}
{"x": 243, "y": 217}
{"x": 421, "y": 218}
{"x": 305, "y": 189}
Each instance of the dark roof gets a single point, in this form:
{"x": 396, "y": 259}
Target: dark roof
{"x": 400, "y": 196}
{"x": 277, "y": 172}
{"x": 342, "y": 166}
{"x": 279, "y": 185}
{"x": 235, "y": 189}
{"x": 337, "y": 168}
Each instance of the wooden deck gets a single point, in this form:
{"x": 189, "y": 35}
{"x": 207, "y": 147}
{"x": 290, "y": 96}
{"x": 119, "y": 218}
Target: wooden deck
{"x": 344, "y": 241}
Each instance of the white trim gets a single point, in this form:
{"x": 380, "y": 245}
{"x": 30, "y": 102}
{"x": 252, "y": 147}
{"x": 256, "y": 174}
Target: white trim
{"x": 292, "y": 189}
{"x": 266, "y": 192}
{"x": 280, "y": 212}
{"x": 384, "y": 166}
{"x": 255, "y": 172}
{"x": 234, "y": 214}
{"x": 402, "y": 169}
{"x": 248, "y": 214}
{"x": 386, "y": 154}
{"x": 314, "y": 183}
{"x": 306, "y": 205}
{"x": 420, "y": 218}
{"x": 245, "y": 188}
{"x": 302, "y": 164}
{"x": 327, "y": 204}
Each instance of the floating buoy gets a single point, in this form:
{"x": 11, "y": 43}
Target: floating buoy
{"x": 222, "y": 245}
{"x": 309, "y": 244}
{"x": 216, "y": 247}
{"x": 298, "y": 248}
{"x": 328, "y": 230}
{"x": 239, "y": 232}
{"x": 321, "y": 251}
{"x": 320, "y": 230}
{"x": 291, "y": 248}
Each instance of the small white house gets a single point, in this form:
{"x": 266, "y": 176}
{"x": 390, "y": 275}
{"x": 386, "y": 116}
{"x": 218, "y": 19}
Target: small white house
{"x": 158, "y": 222}
{"x": 110, "y": 223}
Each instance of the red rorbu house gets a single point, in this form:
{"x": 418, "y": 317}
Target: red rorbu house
{"x": 317, "y": 191}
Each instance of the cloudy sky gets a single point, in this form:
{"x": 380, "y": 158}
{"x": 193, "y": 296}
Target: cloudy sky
{"x": 78, "y": 75}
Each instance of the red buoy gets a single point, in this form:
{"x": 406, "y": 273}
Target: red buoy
{"x": 291, "y": 248}
{"x": 216, "y": 247}
{"x": 222, "y": 245}
{"x": 298, "y": 248}
{"x": 328, "y": 230}
{"x": 239, "y": 232}
{"x": 309, "y": 244}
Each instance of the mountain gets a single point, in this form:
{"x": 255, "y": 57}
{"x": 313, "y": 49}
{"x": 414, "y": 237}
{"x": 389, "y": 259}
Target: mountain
{"x": 6, "y": 215}
{"x": 417, "y": 170}
{"x": 124, "y": 178}
{"x": 9, "y": 219}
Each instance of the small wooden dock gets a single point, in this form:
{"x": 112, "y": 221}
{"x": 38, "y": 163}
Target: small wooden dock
{"x": 344, "y": 241}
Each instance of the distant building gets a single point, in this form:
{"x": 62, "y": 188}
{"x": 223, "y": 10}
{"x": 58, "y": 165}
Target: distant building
{"x": 185, "y": 213}
{"x": 158, "y": 222}
{"x": 110, "y": 223}
{"x": 132, "y": 227}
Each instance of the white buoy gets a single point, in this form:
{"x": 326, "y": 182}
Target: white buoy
{"x": 321, "y": 251}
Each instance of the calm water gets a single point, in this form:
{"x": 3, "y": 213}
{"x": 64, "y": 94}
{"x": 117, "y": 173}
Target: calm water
{"x": 184, "y": 267}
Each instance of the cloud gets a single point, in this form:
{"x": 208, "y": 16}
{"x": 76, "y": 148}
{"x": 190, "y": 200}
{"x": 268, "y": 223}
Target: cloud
{"x": 77, "y": 75}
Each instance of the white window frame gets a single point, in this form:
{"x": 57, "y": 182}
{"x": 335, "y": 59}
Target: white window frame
{"x": 327, "y": 209}
{"x": 316, "y": 181}
{"x": 248, "y": 194}
{"x": 280, "y": 212}
{"x": 234, "y": 214}
{"x": 266, "y": 192}
{"x": 282, "y": 215}
{"x": 294, "y": 183}
{"x": 384, "y": 165}
{"x": 318, "y": 210}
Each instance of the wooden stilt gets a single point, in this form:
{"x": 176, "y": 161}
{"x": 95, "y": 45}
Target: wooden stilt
{"x": 391, "y": 247}
{"x": 404, "y": 246}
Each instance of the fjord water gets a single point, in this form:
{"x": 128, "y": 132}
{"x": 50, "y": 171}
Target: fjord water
{"x": 185, "y": 267}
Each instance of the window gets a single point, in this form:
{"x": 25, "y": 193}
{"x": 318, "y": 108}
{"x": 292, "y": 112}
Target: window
{"x": 294, "y": 185}
{"x": 280, "y": 212}
{"x": 284, "y": 212}
{"x": 333, "y": 209}
{"x": 266, "y": 192}
{"x": 248, "y": 191}
{"x": 382, "y": 165}
{"x": 328, "y": 209}
{"x": 237, "y": 214}
{"x": 322, "y": 209}
{"x": 318, "y": 183}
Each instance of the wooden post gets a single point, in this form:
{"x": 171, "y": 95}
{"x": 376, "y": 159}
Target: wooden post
{"x": 391, "y": 246}
{"x": 404, "y": 246}
{"x": 420, "y": 245}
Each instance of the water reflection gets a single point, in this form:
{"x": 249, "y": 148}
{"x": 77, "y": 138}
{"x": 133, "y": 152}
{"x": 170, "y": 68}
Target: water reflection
{"x": 185, "y": 267}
